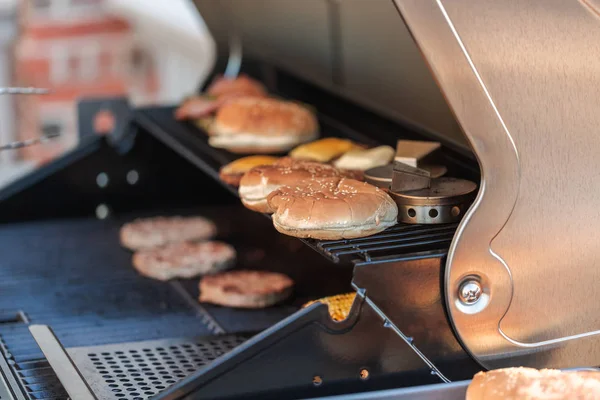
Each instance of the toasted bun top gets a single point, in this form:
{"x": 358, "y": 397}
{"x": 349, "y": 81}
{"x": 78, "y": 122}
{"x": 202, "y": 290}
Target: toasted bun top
{"x": 529, "y": 383}
{"x": 264, "y": 117}
{"x": 323, "y": 150}
{"x": 241, "y": 85}
{"x": 366, "y": 159}
{"x": 245, "y": 164}
{"x": 332, "y": 203}
{"x": 286, "y": 171}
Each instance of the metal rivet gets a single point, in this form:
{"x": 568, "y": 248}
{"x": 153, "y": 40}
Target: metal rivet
{"x": 469, "y": 292}
{"x": 132, "y": 177}
{"x": 102, "y": 179}
{"x": 317, "y": 381}
{"x": 364, "y": 374}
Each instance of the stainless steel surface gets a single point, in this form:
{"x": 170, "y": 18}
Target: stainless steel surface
{"x": 29, "y": 142}
{"x": 387, "y": 323}
{"x": 23, "y": 90}
{"x": 61, "y": 363}
{"x": 141, "y": 370}
{"x": 358, "y": 49}
{"x": 382, "y": 176}
{"x": 442, "y": 191}
{"x": 406, "y": 177}
{"x": 6, "y": 381}
{"x": 522, "y": 79}
{"x": 445, "y": 201}
{"x": 470, "y": 292}
{"x": 9, "y": 387}
{"x": 234, "y": 62}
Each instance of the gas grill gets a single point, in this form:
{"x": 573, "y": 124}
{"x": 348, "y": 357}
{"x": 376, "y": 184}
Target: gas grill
{"x": 435, "y": 302}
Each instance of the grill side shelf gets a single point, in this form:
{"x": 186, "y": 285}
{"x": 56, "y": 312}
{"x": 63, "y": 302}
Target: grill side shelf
{"x": 192, "y": 143}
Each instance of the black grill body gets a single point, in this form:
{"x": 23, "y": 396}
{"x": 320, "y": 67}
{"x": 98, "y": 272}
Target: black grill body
{"x": 129, "y": 337}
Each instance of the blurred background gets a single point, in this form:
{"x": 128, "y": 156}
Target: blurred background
{"x": 152, "y": 51}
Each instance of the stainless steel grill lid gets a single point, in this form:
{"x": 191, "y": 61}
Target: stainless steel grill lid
{"x": 522, "y": 79}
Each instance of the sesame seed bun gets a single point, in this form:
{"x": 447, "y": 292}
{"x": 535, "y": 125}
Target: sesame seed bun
{"x": 259, "y": 182}
{"x": 529, "y": 383}
{"x": 262, "y": 125}
{"x": 332, "y": 208}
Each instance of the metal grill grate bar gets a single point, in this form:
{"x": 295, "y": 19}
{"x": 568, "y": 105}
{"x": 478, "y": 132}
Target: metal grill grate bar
{"x": 391, "y": 239}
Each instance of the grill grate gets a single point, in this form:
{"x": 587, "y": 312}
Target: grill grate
{"x": 138, "y": 371}
{"x": 397, "y": 240}
{"x": 191, "y": 143}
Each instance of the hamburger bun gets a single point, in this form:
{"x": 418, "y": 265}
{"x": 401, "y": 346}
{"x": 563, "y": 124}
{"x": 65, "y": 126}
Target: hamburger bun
{"x": 363, "y": 160}
{"x": 245, "y": 289}
{"x": 146, "y": 233}
{"x": 242, "y": 85}
{"x": 259, "y": 182}
{"x": 323, "y": 150}
{"x": 221, "y": 91}
{"x": 232, "y": 173}
{"x": 332, "y": 208}
{"x": 184, "y": 260}
{"x": 262, "y": 125}
{"x": 529, "y": 383}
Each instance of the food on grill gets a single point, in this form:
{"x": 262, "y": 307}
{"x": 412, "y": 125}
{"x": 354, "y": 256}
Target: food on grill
{"x": 184, "y": 260}
{"x": 243, "y": 84}
{"x": 323, "y": 150}
{"x": 259, "y": 182}
{"x": 233, "y": 172}
{"x": 332, "y": 208}
{"x": 262, "y": 125}
{"x": 245, "y": 289}
{"x": 339, "y": 305}
{"x": 221, "y": 91}
{"x": 151, "y": 232}
{"x": 365, "y": 159}
{"x": 532, "y": 384}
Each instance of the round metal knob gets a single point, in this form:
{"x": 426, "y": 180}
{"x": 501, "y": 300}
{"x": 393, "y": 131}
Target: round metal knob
{"x": 469, "y": 292}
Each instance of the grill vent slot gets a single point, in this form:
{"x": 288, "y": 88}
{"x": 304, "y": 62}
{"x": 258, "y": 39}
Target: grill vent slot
{"x": 141, "y": 371}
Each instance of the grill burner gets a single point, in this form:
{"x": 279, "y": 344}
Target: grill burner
{"x": 446, "y": 200}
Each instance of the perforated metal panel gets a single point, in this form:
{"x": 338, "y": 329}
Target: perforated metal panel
{"x": 138, "y": 371}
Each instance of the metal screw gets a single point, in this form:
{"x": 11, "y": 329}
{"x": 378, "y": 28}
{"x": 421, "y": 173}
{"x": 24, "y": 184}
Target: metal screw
{"x": 469, "y": 292}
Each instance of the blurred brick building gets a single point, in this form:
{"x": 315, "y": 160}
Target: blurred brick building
{"x": 75, "y": 49}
